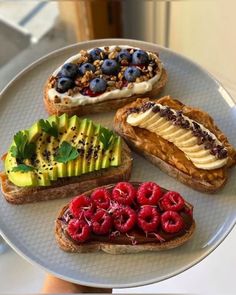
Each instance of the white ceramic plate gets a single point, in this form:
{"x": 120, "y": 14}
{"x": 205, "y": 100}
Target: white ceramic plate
{"x": 29, "y": 228}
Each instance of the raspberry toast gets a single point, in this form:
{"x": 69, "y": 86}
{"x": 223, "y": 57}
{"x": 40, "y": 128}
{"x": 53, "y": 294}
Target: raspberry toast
{"x": 138, "y": 217}
{"x": 103, "y": 79}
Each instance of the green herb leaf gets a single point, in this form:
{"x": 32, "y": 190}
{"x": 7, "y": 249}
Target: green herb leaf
{"x": 23, "y": 149}
{"x": 22, "y": 168}
{"x": 66, "y": 153}
{"x": 50, "y": 129}
{"x": 106, "y": 137}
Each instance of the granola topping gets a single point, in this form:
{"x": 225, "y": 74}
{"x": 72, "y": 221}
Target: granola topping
{"x": 124, "y": 76}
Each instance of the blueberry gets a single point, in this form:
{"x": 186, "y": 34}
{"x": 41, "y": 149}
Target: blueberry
{"x": 68, "y": 70}
{"x": 140, "y": 57}
{"x": 95, "y": 54}
{"x": 86, "y": 67}
{"x": 110, "y": 67}
{"x": 98, "y": 85}
{"x": 64, "y": 84}
{"x": 124, "y": 55}
{"x": 131, "y": 73}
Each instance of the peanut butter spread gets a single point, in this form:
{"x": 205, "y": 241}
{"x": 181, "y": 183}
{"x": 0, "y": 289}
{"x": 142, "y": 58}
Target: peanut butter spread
{"x": 156, "y": 145}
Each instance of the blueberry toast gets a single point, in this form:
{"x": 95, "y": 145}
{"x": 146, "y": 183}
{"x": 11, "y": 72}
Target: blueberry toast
{"x": 103, "y": 79}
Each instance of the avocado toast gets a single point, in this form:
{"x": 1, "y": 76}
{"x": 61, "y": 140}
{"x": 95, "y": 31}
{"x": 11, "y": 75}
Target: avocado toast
{"x": 61, "y": 157}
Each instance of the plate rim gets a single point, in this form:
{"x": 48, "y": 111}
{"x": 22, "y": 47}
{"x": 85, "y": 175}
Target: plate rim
{"x": 54, "y": 53}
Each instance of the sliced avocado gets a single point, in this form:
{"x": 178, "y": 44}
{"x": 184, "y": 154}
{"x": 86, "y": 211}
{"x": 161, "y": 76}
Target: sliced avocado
{"x": 88, "y": 138}
{"x": 95, "y": 148}
{"x": 54, "y": 119}
{"x": 52, "y": 165}
{"x": 52, "y": 144}
{"x": 117, "y": 150}
{"x": 107, "y": 155}
{"x": 34, "y": 132}
{"x": 42, "y": 152}
{"x": 80, "y": 144}
{"x": 74, "y": 122}
{"x": 71, "y": 168}
{"x": 19, "y": 178}
{"x": 98, "y": 162}
{"x": 70, "y": 135}
{"x": 43, "y": 178}
{"x": 63, "y": 123}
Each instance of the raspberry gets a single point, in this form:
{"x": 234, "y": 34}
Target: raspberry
{"x": 148, "y": 219}
{"x": 101, "y": 198}
{"x": 172, "y": 201}
{"x": 124, "y": 193}
{"x": 171, "y": 222}
{"x": 79, "y": 205}
{"x": 124, "y": 219}
{"x": 148, "y": 193}
{"x": 79, "y": 230}
{"x": 101, "y": 222}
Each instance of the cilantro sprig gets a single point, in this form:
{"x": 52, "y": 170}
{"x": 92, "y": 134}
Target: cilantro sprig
{"x": 22, "y": 168}
{"x": 50, "y": 129}
{"x": 66, "y": 153}
{"x": 22, "y": 149}
{"x": 106, "y": 137}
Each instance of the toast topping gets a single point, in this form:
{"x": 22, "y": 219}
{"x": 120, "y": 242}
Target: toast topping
{"x": 60, "y": 147}
{"x": 127, "y": 222}
{"x": 199, "y": 145}
{"x": 104, "y": 73}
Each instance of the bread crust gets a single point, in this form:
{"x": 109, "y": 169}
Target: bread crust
{"x": 104, "y": 106}
{"x": 68, "y": 245}
{"x": 69, "y": 186}
{"x": 193, "y": 182}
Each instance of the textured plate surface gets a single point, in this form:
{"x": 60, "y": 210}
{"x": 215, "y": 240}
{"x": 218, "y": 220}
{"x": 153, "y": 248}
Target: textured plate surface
{"x": 29, "y": 228}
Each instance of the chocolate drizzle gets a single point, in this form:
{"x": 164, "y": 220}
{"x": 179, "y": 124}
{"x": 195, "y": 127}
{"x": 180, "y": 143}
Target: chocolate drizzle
{"x": 178, "y": 119}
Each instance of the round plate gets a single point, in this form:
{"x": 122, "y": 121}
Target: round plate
{"x": 29, "y": 228}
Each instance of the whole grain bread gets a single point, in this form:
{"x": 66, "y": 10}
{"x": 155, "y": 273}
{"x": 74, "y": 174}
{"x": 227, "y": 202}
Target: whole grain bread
{"x": 67, "y": 186}
{"x": 68, "y": 245}
{"x": 202, "y": 180}
{"x": 104, "y": 106}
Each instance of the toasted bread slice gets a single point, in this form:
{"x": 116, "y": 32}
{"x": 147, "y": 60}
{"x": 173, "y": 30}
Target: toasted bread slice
{"x": 68, "y": 186}
{"x": 181, "y": 168}
{"x": 69, "y": 245}
{"x": 104, "y": 106}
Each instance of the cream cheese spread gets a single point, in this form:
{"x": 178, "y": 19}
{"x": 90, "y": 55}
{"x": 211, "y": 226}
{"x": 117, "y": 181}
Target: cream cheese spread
{"x": 80, "y": 99}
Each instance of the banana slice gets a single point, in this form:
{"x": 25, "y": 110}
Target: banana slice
{"x": 189, "y": 142}
{"x": 194, "y": 148}
{"x": 213, "y": 165}
{"x": 187, "y": 135}
{"x": 198, "y": 153}
{"x": 162, "y": 127}
{"x": 204, "y": 160}
{"x": 149, "y": 121}
{"x": 157, "y": 123}
{"x": 135, "y": 119}
{"x": 169, "y": 130}
{"x": 171, "y": 137}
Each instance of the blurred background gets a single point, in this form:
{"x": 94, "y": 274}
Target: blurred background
{"x": 202, "y": 30}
